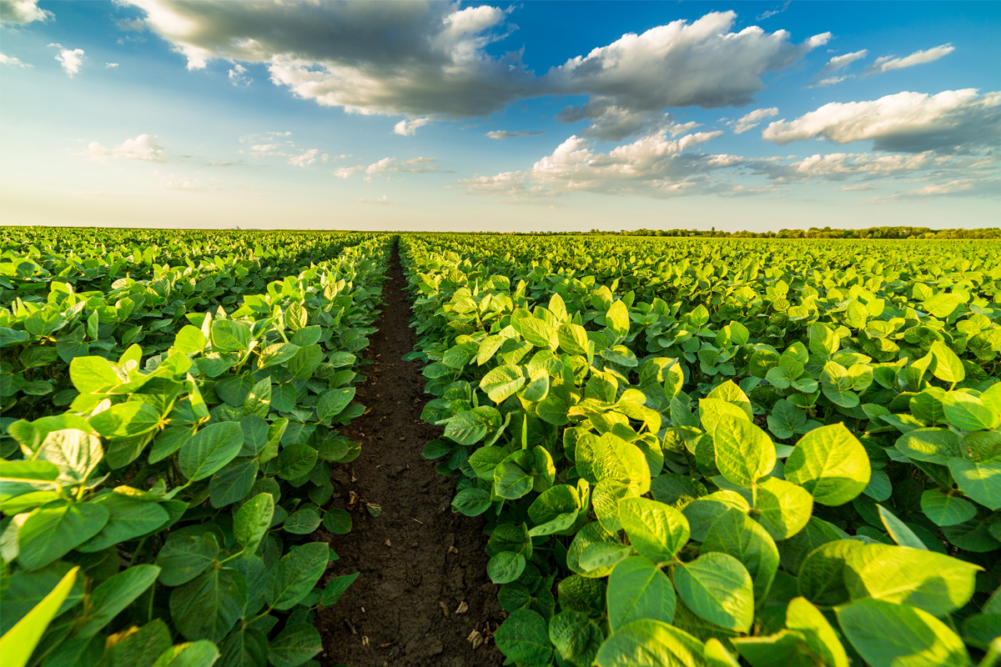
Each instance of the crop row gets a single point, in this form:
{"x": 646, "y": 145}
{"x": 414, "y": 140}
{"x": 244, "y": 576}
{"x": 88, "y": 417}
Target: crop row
{"x": 179, "y": 489}
{"x": 711, "y": 454}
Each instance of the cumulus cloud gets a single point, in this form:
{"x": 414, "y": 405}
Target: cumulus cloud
{"x": 237, "y": 76}
{"x": 504, "y": 134}
{"x": 414, "y": 58}
{"x": 304, "y": 159}
{"x": 408, "y": 128}
{"x": 654, "y": 165}
{"x": 70, "y": 59}
{"x": 143, "y": 147}
{"x": 22, "y": 12}
{"x": 12, "y": 61}
{"x": 418, "y": 165}
{"x": 888, "y": 63}
{"x": 951, "y": 121}
{"x": 702, "y": 63}
{"x": 752, "y": 119}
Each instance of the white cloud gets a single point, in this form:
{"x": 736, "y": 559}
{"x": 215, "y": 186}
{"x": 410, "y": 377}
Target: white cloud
{"x": 752, "y": 119}
{"x": 654, "y": 165}
{"x": 21, "y": 12}
{"x": 70, "y": 59}
{"x": 840, "y": 62}
{"x": 831, "y": 80}
{"x": 680, "y": 64}
{"x": 888, "y": 63}
{"x": 418, "y": 165}
{"x": 111, "y": 65}
{"x": 12, "y": 61}
{"x": 408, "y": 128}
{"x": 772, "y": 12}
{"x": 131, "y": 25}
{"x": 415, "y": 58}
{"x": 504, "y": 134}
{"x": 677, "y": 129}
{"x": 952, "y": 121}
{"x": 143, "y": 147}
{"x": 305, "y": 159}
{"x": 237, "y": 78}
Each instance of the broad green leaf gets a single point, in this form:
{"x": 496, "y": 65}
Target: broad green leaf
{"x": 209, "y": 605}
{"x": 53, "y": 530}
{"x": 201, "y": 653}
{"x": 76, "y": 454}
{"x": 502, "y": 382}
{"x": 930, "y": 581}
{"x": 93, "y": 374}
{"x": 295, "y": 575}
{"x": 822, "y": 576}
{"x": 233, "y": 482}
{"x": 948, "y": 366}
{"x": 252, "y": 521}
{"x": 586, "y": 536}
{"x": 718, "y": 588}
{"x": 26, "y": 589}
{"x": 969, "y": 412}
{"x": 335, "y": 588}
{"x": 229, "y": 336}
{"x": 831, "y": 464}
{"x": 744, "y": 453}
{"x": 806, "y": 621}
{"x": 244, "y": 648}
{"x": 898, "y": 530}
{"x": 650, "y": 643}
{"x": 784, "y": 508}
{"x": 184, "y": 558}
{"x": 737, "y": 535}
{"x": 617, "y": 319}
{"x": 126, "y": 420}
{"x": 946, "y": 510}
{"x": 657, "y": 531}
{"x": 637, "y": 589}
{"x": 888, "y": 635}
{"x": 210, "y": 449}
{"x": 114, "y": 595}
{"x": 294, "y": 645}
{"x": 296, "y": 460}
{"x": 524, "y": 637}
{"x": 333, "y": 401}
{"x": 979, "y": 481}
{"x": 129, "y": 518}
{"x": 505, "y": 567}
{"x": 138, "y": 649}
{"x": 575, "y": 636}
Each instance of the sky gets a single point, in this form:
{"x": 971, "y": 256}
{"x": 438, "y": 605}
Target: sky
{"x": 533, "y": 116}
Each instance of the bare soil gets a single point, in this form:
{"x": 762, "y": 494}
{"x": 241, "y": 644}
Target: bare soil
{"x": 423, "y": 597}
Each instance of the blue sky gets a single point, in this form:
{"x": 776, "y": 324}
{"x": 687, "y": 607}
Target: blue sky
{"x": 488, "y": 116}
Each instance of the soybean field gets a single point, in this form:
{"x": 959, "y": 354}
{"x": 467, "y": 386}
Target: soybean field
{"x": 290, "y": 448}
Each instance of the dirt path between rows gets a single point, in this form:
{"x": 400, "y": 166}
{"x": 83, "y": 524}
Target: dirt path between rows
{"x": 417, "y": 559}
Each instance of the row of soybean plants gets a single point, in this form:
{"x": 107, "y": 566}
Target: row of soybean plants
{"x": 790, "y": 462}
{"x": 175, "y": 496}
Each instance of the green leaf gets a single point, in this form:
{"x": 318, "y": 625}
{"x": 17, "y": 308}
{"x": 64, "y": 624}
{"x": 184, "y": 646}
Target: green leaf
{"x": 306, "y": 360}
{"x": 573, "y": 339}
{"x": 189, "y": 340}
{"x": 337, "y": 521}
{"x": 209, "y": 605}
{"x": 229, "y": 336}
{"x": 524, "y": 637}
{"x": 657, "y": 531}
{"x": 931, "y": 445}
{"x": 784, "y": 508}
{"x": 26, "y": 589}
{"x": 183, "y": 558}
{"x": 139, "y": 649}
{"x": 303, "y": 521}
{"x": 575, "y": 636}
{"x": 888, "y": 635}
{"x": 831, "y": 464}
{"x": 91, "y": 375}
{"x": 53, "y": 530}
{"x": 930, "y": 581}
{"x": 617, "y": 319}
{"x": 650, "y": 643}
{"x": 126, "y": 420}
{"x": 822, "y": 575}
{"x": 719, "y": 589}
{"x": 295, "y": 575}
{"x": 969, "y": 412}
{"x": 335, "y": 588}
{"x": 899, "y": 531}
{"x": 252, "y": 520}
{"x": 806, "y": 621}
{"x": 233, "y": 482}
{"x": 193, "y": 654}
{"x": 638, "y": 589}
{"x": 585, "y": 537}
{"x": 737, "y": 535}
{"x": 946, "y": 510}
{"x": 502, "y": 382}
{"x": 210, "y": 450}
{"x": 74, "y": 453}
{"x": 744, "y": 453}
{"x": 947, "y": 367}
{"x": 471, "y": 501}
{"x": 19, "y": 642}
{"x": 296, "y": 460}
{"x": 294, "y": 645}
{"x": 129, "y": 518}
{"x": 505, "y": 567}
{"x": 244, "y": 648}
{"x": 980, "y": 481}
{"x": 333, "y": 401}
{"x": 114, "y": 595}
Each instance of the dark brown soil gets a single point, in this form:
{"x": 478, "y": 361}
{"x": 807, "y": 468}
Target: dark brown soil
{"x": 418, "y": 560}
